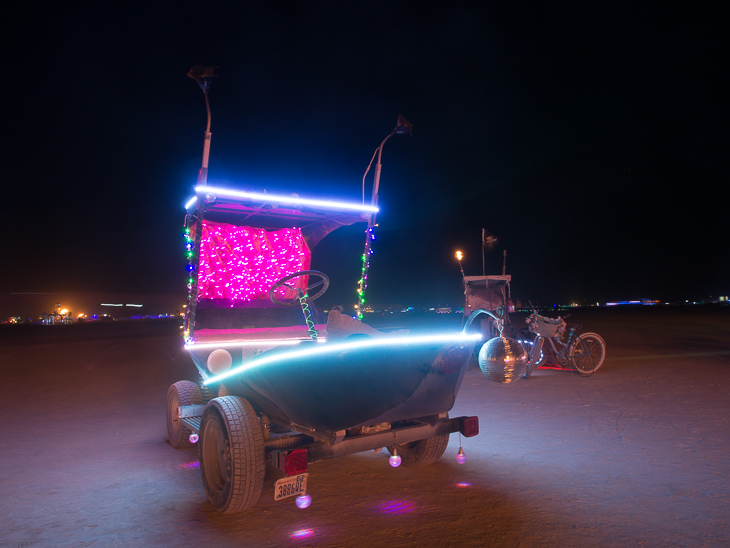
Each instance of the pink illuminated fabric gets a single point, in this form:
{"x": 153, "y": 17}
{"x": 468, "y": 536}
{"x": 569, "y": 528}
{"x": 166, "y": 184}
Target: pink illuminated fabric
{"x": 242, "y": 263}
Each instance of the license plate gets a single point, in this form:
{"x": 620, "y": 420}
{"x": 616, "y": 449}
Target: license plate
{"x": 288, "y": 487}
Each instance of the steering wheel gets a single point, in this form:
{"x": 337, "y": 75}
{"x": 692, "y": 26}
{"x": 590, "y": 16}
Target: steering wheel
{"x": 324, "y": 281}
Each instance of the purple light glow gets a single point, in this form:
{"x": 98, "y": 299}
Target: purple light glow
{"x": 395, "y": 461}
{"x": 190, "y": 465}
{"x": 241, "y": 263}
{"x": 396, "y": 507}
{"x": 302, "y": 533}
{"x": 463, "y": 484}
{"x": 303, "y": 501}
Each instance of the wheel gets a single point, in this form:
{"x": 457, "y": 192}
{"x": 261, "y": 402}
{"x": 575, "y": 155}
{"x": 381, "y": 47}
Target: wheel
{"x": 180, "y": 393}
{"x": 324, "y": 282}
{"x": 422, "y": 452}
{"x": 232, "y": 461}
{"x": 586, "y": 353}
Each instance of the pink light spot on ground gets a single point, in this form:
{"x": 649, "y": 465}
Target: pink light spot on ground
{"x": 190, "y": 465}
{"x": 302, "y": 533}
{"x": 396, "y": 507}
{"x": 463, "y": 484}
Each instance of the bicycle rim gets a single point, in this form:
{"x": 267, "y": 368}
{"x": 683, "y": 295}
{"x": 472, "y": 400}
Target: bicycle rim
{"x": 587, "y": 353}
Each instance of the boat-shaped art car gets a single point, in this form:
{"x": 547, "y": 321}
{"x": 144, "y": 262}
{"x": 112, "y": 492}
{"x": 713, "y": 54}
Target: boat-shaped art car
{"x": 283, "y": 383}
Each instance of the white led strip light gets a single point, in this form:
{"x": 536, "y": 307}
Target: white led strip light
{"x": 330, "y": 348}
{"x": 256, "y": 342}
{"x": 271, "y": 198}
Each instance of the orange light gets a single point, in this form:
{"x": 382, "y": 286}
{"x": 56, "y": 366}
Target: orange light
{"x": 64, "y": 311}
{"x": 459, "y": 255}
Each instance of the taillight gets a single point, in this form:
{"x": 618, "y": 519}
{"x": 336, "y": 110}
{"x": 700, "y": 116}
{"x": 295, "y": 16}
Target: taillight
{"x": 292, "y": 462}
{"x": 469, "y": 426}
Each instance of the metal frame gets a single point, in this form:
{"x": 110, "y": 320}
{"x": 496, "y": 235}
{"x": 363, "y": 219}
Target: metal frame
{"x": 246, "y": 207}
{"x": 327, "y": 445}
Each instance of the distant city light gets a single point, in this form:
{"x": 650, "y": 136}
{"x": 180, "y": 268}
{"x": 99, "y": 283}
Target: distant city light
{"x": 111, "y": 304}
{"x": 271, "y": 198}
{"x": 642, "y": 301}
{"x": 136, "y": 305}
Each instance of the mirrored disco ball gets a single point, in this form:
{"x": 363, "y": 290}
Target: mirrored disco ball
{"x": 503, "y": 360}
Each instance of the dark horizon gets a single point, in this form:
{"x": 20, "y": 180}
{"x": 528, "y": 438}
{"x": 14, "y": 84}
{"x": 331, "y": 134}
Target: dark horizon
{"x": 588, "y": 139}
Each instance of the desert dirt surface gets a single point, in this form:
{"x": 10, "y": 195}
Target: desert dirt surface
{"x": 636, "y": 455}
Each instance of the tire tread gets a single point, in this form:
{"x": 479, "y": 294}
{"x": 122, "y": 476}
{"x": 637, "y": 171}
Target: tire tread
{"x": 188, "y": 394}
{"x": 246, "y": 441}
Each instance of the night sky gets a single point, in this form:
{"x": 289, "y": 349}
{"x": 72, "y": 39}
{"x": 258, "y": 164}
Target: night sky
{"x": 591, "y": 140}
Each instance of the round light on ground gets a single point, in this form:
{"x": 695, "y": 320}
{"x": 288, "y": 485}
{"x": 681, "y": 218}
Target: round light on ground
{"x": 460, "y": 456}
{"x": 194, "y": 438}
{"x": 503, "y": 360}
{"x": 219, "y": 361}
{"x": 394, "y": 461}
{"x": 303, "y": 501}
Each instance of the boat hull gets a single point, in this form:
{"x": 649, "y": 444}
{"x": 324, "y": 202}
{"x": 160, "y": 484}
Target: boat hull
{"x": 335, "y": 391}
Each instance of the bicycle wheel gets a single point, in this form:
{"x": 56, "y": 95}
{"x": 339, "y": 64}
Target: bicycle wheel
{"x": 586, "y": 353}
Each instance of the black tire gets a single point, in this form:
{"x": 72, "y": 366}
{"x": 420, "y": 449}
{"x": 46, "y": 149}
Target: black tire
{"x": 232, "y": 461}
{"x": 180, "y": 393}
{"x": 586, "y": 353}
{"x": 422, "y": 452}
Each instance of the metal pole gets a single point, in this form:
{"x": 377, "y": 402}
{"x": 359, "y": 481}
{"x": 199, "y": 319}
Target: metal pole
{"x": 484, "y": 270}
{"x": 203, "y": 173}
{"x": 376, "y": 180}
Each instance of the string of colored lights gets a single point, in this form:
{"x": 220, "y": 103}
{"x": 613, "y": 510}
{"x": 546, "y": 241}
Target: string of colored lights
{"x": 241, "y": 263}
{"x": 189, "y": 255}
{"x": 304, "y": 304}
{"x": 363, "y": 282}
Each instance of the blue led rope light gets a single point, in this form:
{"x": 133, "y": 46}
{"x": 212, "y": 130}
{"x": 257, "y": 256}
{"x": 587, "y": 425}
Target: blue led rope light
{"x": 332, "y": 348}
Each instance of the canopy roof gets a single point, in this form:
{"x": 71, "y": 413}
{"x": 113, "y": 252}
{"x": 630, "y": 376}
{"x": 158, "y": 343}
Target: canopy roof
{"x": 274, "y": 211}
{"x": 487, "y": 281}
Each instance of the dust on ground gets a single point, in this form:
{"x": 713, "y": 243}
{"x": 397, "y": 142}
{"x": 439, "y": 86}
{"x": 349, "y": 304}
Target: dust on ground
{"x": 636, "y": 455}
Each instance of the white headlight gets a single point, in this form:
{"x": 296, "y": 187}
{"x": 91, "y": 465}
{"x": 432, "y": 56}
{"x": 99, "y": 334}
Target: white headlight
{"x": 219, "y": 361}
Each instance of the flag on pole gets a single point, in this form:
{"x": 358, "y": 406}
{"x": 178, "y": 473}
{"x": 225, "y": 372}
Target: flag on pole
{"x": 489, "y": 240}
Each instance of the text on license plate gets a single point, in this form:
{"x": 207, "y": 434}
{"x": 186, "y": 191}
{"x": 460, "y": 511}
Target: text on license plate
{"x": 288, "y": 487}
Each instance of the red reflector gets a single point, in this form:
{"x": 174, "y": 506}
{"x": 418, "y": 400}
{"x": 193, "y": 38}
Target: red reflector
{"x": 469, "y": 426}
{"x": 295, "y": 462}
